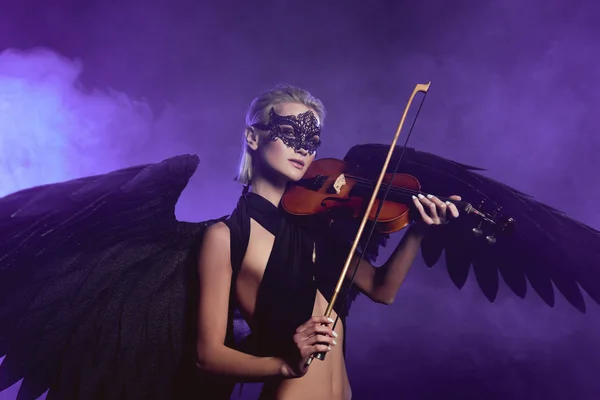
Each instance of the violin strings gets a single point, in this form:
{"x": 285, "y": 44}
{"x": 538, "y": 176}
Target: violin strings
{"x": 365, "y": 183}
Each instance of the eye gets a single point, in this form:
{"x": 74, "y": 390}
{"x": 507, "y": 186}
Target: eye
{"x": 288, "y": 132}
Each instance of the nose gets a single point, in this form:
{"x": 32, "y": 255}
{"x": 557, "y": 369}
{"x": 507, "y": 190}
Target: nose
{"x": 302, "y": 151}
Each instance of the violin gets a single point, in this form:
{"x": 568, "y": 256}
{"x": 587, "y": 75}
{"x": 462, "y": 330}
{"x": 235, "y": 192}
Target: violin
{"x": 333, "y": 188}
{"x": 330, "y": 185}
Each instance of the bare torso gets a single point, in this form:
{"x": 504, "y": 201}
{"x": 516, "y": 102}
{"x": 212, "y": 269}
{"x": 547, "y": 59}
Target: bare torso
{"x": 326, "y": 379}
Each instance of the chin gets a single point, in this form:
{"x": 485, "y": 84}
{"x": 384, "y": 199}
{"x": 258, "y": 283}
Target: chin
{"x": 295, "y": 175}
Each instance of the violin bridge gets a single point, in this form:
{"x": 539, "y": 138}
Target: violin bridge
{"x": 339, "y": 183}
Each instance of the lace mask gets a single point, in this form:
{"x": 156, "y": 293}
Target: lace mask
{"x": 297, "y": 132}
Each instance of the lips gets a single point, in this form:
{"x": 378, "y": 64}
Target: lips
{"x": 297, "y": 163}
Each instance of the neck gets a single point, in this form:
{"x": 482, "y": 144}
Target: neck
{"x": 270, "y": 189}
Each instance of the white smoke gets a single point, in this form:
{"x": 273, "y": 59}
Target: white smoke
{"x": 53, "y": 129}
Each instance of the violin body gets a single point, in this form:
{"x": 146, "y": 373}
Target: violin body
{"x": 331, "y": 188}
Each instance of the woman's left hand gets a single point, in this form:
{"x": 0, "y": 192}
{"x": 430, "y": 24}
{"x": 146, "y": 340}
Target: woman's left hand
{"x": 433, "y": 211}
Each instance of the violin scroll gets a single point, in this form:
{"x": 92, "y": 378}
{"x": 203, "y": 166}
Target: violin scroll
{"x": 493, "y": 224}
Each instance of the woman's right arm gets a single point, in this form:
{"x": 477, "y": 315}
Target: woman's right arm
{"x": 214, "y": 271}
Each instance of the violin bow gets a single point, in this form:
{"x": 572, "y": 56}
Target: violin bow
{"x": 423, "y": 88}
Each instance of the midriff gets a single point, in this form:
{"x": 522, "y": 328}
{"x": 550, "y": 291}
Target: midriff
{"x": 327, "y": 379}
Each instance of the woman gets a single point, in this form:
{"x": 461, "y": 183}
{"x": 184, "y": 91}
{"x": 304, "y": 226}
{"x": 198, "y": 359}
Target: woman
{"x": 262, "y": 267}
{"x": 98, "y": 278}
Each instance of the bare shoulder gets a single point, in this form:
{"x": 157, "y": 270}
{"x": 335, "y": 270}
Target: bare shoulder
{"x": 217, "y": 233}
{"x": 215, "y": 248}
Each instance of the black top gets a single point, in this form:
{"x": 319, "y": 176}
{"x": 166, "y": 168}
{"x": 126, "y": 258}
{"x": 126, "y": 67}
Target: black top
{"x": 287, "y": 292}
{"x": 301, "y": 261}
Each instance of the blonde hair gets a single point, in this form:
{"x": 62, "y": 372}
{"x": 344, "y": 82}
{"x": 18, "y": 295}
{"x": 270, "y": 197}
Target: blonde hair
{"x": 259, "y": 112}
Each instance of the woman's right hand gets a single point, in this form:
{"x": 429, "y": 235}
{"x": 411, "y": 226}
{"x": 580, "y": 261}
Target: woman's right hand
{"x": 314, "y": 336}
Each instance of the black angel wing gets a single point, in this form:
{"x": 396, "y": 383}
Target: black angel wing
{"x": 94, "y": 284}
{"x": 546, "y": 248}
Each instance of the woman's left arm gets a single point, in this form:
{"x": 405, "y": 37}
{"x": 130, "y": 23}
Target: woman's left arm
{"x": 382, "y": 284}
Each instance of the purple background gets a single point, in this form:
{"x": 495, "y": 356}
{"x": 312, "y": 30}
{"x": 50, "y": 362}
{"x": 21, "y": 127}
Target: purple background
{"x": 90, "y": 86}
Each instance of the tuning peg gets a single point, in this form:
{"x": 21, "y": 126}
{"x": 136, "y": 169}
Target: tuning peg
{"x": 478, "y": 231}
{"x": 491, "y": 239}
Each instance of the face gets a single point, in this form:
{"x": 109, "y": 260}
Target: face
{"x": 287, "y": 143}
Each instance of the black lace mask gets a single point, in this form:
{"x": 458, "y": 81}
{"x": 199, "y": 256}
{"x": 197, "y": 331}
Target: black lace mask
{"x": 298, "y": 132}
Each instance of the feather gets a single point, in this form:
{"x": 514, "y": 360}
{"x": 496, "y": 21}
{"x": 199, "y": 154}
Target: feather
{"x": 547, "y": 248}
{"x": 95, "y": 285}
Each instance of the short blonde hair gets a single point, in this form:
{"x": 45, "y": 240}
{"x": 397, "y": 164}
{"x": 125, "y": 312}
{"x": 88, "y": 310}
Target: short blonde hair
{"x": 259, "y": 112}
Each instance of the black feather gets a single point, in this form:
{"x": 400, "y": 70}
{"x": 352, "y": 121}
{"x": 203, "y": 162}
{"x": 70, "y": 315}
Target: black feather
{"x": 95, "y": 284}
{"x": 547, "y": 249}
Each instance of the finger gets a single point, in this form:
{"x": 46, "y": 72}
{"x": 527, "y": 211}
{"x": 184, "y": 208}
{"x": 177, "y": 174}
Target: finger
{"x": 322, "y": 339}
{"x": 441, "y": 207}
{"x": 453, "y": 210}
{"x": 317, "y": 348}
{"x": 422, "y": 212}
{"x": 436, "y": 200}
{"x": 452, "y": 207}
{"x": 431, "y": 209}
{"x": 319, "y": 330}
{"x": 317, "y": 319}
